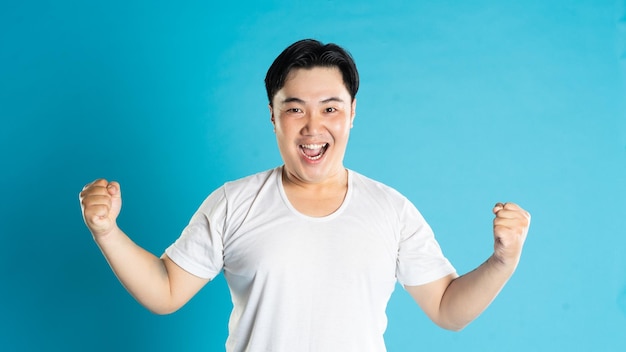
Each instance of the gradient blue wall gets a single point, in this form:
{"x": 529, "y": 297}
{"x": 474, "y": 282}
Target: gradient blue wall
{"x": 462, "y": 104}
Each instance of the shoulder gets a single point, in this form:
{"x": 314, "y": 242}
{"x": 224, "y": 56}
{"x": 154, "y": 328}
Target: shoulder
{"x": 377, "y": 189}
{"x": 229, "y": 203}
{"x": 252, "y": 181}
{"x": 237, "y": 191}
{"x": 246, "y": 189}
{"x": 379, "y": 198}
{"x": 375, "y": 192}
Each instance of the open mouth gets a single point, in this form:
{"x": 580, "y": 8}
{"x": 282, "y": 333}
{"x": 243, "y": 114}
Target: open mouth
{"x": 313, "y": 151}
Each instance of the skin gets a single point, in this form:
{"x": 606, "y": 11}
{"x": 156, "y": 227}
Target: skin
{"x": 453, "y": 302}
{"x": 313, "y": 109}
{"x": 157, "y": 283}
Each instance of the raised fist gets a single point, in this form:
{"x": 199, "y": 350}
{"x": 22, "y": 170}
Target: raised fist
{"x": 101, "y": 202}
{"x": 510, "y": 227}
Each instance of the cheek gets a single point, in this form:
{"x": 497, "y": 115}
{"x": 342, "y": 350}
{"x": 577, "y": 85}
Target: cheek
{"x": 341, "y": 129}
{"x": 284, "y": 132}
{"x": 279, "y": 125}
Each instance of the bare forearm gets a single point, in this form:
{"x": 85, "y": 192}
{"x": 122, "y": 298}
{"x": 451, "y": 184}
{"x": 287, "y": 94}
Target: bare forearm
{"x": 453, "y": 302}
{"x": 157, "y": 283}
{"x": 143, "y": 274}
{"x": 469, "y": 295}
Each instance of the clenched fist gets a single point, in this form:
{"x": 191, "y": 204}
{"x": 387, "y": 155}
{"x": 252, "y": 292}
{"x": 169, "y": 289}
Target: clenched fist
{"x": 510, "y": 228}
{"x": 101, "y": 202}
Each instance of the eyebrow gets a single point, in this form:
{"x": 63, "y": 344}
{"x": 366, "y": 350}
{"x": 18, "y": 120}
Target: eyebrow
{"x": 300, "y": 101}
{"x": 331, "y": 99}
{"x": 292, "y": 100}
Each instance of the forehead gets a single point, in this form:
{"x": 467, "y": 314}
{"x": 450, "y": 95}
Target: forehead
{"x": 313, "y": 82}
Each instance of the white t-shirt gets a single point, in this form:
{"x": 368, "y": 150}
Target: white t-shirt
{"x": 301, "y": 283}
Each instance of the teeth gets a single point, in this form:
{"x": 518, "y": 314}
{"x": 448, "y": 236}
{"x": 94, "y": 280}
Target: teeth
{"x": 320, "y": 148}
{"x": 314, "y": 157}
{"x": 313, "y": 146}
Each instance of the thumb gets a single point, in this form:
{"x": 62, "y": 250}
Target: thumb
{"x": 115, "y": 191}
{"x": 496, "y": 208}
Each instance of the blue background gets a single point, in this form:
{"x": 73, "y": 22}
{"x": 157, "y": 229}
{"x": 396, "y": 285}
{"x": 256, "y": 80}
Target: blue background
{"x": 462, "y": 104}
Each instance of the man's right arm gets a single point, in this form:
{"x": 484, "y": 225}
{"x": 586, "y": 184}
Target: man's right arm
{"x": 157, "y": 283}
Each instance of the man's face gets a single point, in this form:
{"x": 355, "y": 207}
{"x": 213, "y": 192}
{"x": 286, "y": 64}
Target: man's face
{"x": 312, "y": 115}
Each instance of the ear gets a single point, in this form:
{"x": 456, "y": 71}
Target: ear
{"x": 272, "y": 116}
{"x": 352, "y": 112}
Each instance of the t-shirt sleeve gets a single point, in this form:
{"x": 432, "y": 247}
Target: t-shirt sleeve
{"x": 199, "y": 250}
{"x": 420, "y": 259}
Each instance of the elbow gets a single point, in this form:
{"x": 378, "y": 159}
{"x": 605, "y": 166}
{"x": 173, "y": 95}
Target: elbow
{"x": 161, "y": 309}
{"x": 454, "y": 326}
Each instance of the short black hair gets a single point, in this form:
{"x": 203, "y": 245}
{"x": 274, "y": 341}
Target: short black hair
{"x": 309, "y": 53}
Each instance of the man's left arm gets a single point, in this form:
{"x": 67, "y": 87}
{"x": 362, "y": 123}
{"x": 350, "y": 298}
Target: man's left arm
{"x": 453, "y": 302}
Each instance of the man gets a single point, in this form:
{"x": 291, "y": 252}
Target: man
{"x": 311, "y": 251}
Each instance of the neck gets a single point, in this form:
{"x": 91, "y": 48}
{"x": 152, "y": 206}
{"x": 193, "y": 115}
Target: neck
{"x": 338, "y": 180}
{"x": 316, "y": 199}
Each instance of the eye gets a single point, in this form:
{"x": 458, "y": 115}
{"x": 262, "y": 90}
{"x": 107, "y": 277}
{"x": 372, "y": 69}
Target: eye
{"x": 294, "y": 110}
{"x": 330, "y": 110}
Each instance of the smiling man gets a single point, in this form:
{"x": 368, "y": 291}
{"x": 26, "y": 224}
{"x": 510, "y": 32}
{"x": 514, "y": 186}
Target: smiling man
{"x": 312, "y": 116}
{"x": 311, "y": 250}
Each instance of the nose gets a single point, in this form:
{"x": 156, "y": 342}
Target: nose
{"x": 313, "y": 125}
